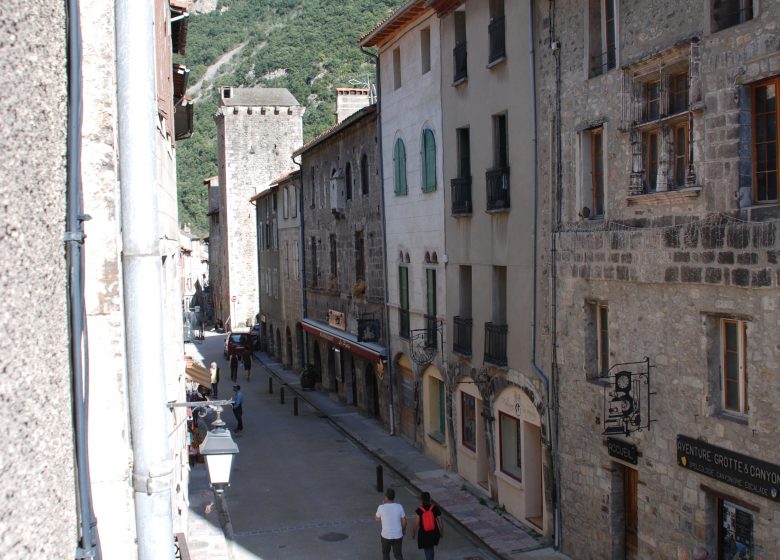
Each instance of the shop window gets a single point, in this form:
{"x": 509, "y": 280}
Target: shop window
{"x": 735, "y": 532}
{"x": 509, "y": 436}
{"x": 468, "y": 421}
{"x": 436, "y": 407}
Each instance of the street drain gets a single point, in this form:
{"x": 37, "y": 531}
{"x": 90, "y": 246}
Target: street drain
{"x": 333, "y": 537}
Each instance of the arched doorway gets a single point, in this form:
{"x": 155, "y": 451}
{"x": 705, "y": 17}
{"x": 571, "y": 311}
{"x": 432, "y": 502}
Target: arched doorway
{"x": 289, "y": 346}
{"x": 372, "y": 391}
{"x": 470, "y": 435}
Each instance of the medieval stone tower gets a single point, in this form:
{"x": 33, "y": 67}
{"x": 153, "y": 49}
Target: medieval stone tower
{"x": 258, "y": 129}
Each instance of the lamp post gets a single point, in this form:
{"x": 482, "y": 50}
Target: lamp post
{"x": 218, "y": 446}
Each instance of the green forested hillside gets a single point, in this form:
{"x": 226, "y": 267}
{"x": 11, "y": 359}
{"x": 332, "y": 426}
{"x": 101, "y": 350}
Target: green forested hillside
{"x": 306, "y": 46}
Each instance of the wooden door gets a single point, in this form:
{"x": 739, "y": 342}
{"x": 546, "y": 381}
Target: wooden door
{"x": 630, "y": 511}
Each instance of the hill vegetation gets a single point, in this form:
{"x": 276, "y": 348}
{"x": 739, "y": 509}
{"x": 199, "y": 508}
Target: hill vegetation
{"x": 306, "y": 46}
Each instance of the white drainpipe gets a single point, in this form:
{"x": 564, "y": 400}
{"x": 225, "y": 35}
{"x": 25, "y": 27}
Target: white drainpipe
{"x": 142, "y": 273}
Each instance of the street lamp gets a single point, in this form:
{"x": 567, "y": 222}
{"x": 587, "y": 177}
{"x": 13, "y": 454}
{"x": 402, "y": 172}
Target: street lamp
{"x": 219, "y": 449}
{"x": 218, "y": 446}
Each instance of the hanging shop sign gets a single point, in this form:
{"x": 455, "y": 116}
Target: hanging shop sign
{"x": 627, "y": 398}
{"x": 736, "y": 469}
{"x": 622, "y": 450}
{"x": 337, "y": 319}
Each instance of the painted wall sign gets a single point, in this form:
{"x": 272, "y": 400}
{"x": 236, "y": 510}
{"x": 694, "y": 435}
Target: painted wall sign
{"x": 337, "y": 319}
{"x": 741, "y": 471}
{"x": 622, "y": 450}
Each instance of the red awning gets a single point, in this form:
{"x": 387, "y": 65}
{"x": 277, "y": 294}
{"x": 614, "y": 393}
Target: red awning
{"x": 373, "y": 353}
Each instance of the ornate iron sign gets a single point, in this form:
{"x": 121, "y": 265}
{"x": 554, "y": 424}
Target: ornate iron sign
{"x": 622, "y": 450}
{"x": 368, "y": 330}
{"x": 422, "y": 342}
{"x": 627, "y": 398}
{"x": 736, "y": 469}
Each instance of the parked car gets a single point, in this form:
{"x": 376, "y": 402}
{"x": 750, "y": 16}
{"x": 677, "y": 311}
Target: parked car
{"x": 237, "y": 341}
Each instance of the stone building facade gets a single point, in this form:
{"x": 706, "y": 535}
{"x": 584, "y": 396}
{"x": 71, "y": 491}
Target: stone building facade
{"x": 289, "y": 343}
{"x": 343, "y": 260}
{"x": 657, "y": 160}
{"x": 257, "y": 130}
{"x": 270, "y": 301}
{"x": 414, "y": 187}
{"x": 217, "y": 264}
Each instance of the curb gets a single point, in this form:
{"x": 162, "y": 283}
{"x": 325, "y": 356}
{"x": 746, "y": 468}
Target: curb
{"x": 451, "y": 517}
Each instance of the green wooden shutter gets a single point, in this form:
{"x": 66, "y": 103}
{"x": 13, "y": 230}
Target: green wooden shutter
{"x": 429, "y": 161}
{"x": 399, "y": 158}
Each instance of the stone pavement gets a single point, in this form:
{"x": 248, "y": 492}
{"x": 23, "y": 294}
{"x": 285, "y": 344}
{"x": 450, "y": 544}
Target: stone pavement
{"x": 205, "y": 537}
{"x": 463, "y": 503}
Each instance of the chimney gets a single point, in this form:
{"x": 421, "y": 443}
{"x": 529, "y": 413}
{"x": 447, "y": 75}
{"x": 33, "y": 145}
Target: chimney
{"x": 350, "y": 100}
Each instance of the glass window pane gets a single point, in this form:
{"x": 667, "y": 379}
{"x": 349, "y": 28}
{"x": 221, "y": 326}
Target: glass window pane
{"x": 469, "y": 423}
{"x": 510, "y": 446}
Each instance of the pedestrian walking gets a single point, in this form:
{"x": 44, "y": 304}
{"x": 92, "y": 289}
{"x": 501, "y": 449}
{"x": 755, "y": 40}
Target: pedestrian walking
{"x": 238, "y": 408}
{"x": 233, "y": 367}
{"x": 247, "y": 363}
{"x": 428, "y": 526}
{"x": 393, "y": 520}
{"x": 214, "y": 373}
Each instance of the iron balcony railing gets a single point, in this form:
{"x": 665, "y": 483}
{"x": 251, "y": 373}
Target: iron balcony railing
{"x": 431, "y": 331}
{"x": 461, "y": 196}
{"x": 403, "y": 323}
{"x": 462, "y": 340}
{"x": 497, "y": 32}
{"x": 497, "y": 181}
{"x": 495, "y": 344}
{"x": 459, "y": 53}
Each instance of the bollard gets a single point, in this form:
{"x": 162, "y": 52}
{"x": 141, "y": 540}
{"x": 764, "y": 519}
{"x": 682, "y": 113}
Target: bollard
{"x": 380, "y": 483}
{"x": 281, "y": 395}
{"x": 295, "y": 406}
{"x": 270, "y": 385}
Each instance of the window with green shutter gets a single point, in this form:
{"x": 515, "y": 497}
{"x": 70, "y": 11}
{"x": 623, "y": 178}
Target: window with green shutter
{"x": 399, "y": 161}
{"x": 428, "y": 161}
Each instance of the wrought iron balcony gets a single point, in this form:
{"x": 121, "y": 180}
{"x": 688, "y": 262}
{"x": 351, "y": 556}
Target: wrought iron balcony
{"x": 459, "y": 53}
{"x": 462, "y": 342}
{"x": 431, "y": 331}
{"x": 495, "y": 344}
{"x": 461, "y": 196}
{"x": 497, "y": 32}
{"x": 497, "y": 181}
{"x": 403, "y": 323}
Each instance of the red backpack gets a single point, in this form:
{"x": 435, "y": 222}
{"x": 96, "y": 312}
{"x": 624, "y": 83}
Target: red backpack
{"x": 428, "y": 520}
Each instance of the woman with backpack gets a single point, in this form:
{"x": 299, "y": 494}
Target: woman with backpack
{"x": 428, "y": 526}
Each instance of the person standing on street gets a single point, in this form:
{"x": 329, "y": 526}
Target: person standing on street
{"x": 233, "y": 367}
{"x": 428, "y": 526}
{"x": 214, "y": 373}
{"x": 393, "y": 520}
{"x": 247, "y": 363}
{"x": 238, "y": 408}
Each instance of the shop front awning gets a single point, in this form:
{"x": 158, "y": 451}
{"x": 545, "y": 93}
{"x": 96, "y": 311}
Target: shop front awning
{"x": 348, "y": 341}
{"x": 197, "y": 373}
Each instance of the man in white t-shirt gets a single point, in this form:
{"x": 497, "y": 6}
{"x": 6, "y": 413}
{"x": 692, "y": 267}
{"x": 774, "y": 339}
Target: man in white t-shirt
{"x": 393, "y": 521}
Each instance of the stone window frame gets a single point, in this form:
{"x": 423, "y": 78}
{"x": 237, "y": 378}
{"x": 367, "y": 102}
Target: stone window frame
{"x": 715, "y": 357}
{"x": 775, "y": 82}
{"x": 646, "y": 122}
{"x": 605, "y": 59}
{"x": 595, "y": 348}
{"x": 743, "y": 12}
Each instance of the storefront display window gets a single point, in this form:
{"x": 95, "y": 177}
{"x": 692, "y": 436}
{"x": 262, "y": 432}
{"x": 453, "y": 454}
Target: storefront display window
{"x": 735, "y": 528}
{"x": 469, "y": 420}
{"x": 510, "y": 446}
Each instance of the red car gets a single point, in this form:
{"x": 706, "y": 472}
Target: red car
{"x": 237, "y": 341}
